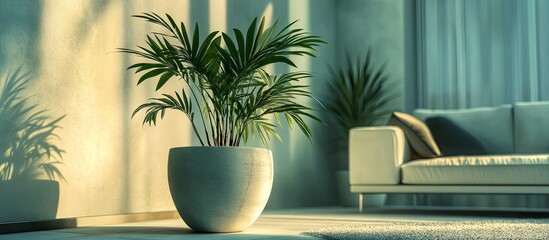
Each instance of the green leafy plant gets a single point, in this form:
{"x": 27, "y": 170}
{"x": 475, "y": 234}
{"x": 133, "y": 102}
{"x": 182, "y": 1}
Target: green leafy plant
{"x": 227, "y": 91}
{"x": 27, "y": 146}
{"x": 358, "y": 95}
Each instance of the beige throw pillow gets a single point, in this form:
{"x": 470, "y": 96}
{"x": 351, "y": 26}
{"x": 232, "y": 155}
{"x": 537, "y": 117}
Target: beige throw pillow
{"x": 418, "y": 135}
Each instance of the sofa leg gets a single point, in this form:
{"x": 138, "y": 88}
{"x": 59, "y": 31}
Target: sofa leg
{"x": 360, "y": 202}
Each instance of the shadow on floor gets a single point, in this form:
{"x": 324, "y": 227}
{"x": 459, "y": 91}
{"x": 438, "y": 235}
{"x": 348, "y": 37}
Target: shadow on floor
{"x": 140, "y": 230}
{"x": 148, "y": 232}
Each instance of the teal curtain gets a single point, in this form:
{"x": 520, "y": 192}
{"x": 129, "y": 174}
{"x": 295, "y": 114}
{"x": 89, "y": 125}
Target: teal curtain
{"x": 475, "y": 53}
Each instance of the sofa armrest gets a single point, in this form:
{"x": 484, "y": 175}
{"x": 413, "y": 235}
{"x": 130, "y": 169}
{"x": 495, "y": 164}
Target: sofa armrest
{"x": 375, "y": 155}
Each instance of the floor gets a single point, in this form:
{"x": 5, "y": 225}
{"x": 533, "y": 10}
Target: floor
{"x": 279, "y": 224}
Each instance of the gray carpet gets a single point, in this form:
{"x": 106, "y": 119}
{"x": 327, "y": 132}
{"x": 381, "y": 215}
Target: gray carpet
{"x": 512, "y": 229}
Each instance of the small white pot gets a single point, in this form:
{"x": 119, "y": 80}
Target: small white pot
{"x": 220, "y": 189}
{"x": 28, "y": 200}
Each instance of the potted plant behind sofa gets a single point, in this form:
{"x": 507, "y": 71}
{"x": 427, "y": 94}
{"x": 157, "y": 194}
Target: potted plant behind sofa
{"x": 29, "y": 155}
{"x": 358, "y": 96}
{"x": 228, "y": 97}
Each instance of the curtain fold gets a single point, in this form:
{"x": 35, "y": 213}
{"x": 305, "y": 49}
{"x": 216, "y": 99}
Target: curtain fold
{"x": 482, "y": 53}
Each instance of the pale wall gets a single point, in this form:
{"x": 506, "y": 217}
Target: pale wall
{"x": 113, "y": 165}
{"x": 379, "y": 25}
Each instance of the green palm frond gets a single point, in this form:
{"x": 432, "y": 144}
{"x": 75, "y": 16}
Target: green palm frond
{"x": 27, "y": 145}
{"x": 359, "y": 94}
{"x": 231, "y": 92}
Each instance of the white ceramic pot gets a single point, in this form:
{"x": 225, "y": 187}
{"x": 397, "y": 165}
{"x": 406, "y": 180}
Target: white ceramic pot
{"x": 220, "y": 189}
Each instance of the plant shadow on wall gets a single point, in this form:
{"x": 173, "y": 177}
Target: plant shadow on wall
{"x": 29, "y": 154}
{"x": 228, "y": 96}
{"x": 360, "y": 93}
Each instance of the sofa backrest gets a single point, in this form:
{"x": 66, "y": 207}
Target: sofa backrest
{"x": 493, "y": 126}
{"x": 531, "y": 127}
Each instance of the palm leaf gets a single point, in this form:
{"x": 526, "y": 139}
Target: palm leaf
{"x": 228, "y": 85}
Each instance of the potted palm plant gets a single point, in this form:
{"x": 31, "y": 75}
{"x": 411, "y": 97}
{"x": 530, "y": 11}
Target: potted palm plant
{"x": 359, "y": 96}
{"x": 29, "y": 155}
{"x": 228, "y": 97}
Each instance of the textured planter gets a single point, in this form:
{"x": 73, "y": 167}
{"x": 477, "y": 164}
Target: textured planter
{"x": 28, "y": 200}
{"x": 220, "y": 189}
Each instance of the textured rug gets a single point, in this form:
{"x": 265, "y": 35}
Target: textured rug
{"x": 512, "y": 229}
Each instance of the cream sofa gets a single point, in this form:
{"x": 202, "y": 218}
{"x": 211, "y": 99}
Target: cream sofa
{"x": 516, "y": 136}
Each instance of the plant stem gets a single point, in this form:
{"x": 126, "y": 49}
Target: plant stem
{"x": 195, "y": 130}
{"x": 201, "y": 116}
{"x": 225, "y": 128}
{"x": 218, "y": 129}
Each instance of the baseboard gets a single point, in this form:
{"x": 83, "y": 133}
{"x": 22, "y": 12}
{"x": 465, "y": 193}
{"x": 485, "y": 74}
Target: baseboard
{"x": 14, "y": 227}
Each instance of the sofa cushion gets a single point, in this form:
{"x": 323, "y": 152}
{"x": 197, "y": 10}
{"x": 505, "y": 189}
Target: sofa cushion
{"x": 478, "y": 170}
{"x": 532, "y": 127}
{"x": 418, "y": 135}
{"x": 493, "y": 126}
{"x": 454, "y": 140}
